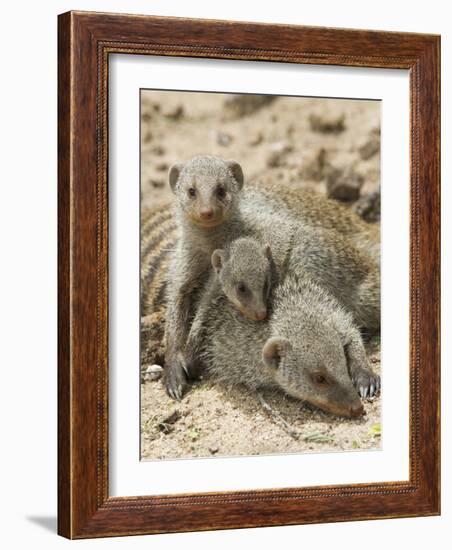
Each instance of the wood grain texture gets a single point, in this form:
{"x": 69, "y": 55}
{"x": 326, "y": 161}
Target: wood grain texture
{"x": 85, "y": 42}
{"x": 64, "y": 296}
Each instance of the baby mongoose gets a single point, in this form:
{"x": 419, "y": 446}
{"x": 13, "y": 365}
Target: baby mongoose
{"x": 308, "y": 348}
{"x": 244, "y": 273}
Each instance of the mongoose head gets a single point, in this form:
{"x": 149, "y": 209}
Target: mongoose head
{"x": 313, "y": 367}
{"x": 243, "y": 269}
{"x": 206, "y": 188}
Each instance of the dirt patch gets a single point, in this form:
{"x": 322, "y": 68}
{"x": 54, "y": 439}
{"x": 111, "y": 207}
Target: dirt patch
{"x": 327, "y": 145}
{"x": 222, "y": 421}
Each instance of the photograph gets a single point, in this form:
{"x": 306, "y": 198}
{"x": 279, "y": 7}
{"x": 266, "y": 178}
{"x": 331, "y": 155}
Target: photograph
{"x": 248, "y": 273}
{"x": 260, "y": 274}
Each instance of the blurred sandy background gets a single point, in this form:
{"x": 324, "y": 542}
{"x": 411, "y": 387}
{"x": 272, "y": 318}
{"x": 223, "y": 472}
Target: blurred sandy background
{"x": 329, "y": 145}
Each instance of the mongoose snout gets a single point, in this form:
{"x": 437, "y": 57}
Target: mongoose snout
{"x": 261, "y": 315}
{"x": 357, "y": 410}
{"x": 206, "y": 214}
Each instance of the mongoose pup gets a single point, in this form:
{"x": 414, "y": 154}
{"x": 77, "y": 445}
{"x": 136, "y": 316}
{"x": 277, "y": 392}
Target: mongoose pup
{"x": 244, "y": 273}
{"x": 309, "y": 348}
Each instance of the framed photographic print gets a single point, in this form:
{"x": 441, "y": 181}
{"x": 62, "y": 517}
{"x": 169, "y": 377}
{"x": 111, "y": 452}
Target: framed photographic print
{"x": 248, "y": 275}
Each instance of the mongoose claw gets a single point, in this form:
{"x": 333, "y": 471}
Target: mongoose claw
{"x": 367, "y": 383}
{"x": 175, "y": 380}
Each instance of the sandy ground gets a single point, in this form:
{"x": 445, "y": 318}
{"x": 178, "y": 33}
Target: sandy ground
{"x": 328, "y": 145}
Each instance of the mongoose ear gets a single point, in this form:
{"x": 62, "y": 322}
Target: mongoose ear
{"x": 236, "y": 171}
{"x": 274, "y": 349}
{"x": 174, "y": 173}
{"x": 217, "y": 260}
{"x": 267, "y": 251}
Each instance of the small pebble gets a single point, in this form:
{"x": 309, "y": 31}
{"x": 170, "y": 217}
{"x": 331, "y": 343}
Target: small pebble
{"x": 327, "y": 125}
{"x": 369, "y": 207}
{"x": 162, "y": 166}
{"x": 223, "y": 139}
{"x": 344, "y": 185}
{"x": 153, "y": 372}
{"x": 157, "y": 184}
{"x": 174, "y": 113}
{"x": 213, "y": 449}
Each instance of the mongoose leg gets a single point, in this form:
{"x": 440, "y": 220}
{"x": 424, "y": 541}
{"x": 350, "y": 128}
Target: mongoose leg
{"x": 175, "y": 373}
{"x": 366, "y": 382}
{"x": 194, "y": 339}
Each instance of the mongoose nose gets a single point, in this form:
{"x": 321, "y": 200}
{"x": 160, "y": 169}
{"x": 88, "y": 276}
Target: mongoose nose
{"x": 357, "y": 410}
{"x": 206, "y": 214}
{"x": 261, "y": 315}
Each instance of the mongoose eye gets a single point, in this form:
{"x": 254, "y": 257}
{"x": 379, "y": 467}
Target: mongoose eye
{"x": 241, "y": 288}
{"x": 320, "y": 379}
{"x": 221, "y": 192}
{"x": 192, "y": 192}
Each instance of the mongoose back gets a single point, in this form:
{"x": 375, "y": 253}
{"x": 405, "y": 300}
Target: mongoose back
{"x": 322, "y": 212}
{"x": 308, "y": 348}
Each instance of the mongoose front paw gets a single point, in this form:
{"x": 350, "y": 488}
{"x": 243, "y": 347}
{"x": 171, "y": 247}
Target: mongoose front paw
{"x": 175, "y": 378}
{"x": 193, "y": 365}
{"x": 366, "y": 382}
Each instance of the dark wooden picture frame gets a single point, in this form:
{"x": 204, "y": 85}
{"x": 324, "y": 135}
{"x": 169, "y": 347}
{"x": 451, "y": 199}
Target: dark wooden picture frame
{"x": 85, "y": 41}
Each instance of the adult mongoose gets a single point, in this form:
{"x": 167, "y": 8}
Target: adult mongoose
{"x": 309, "y": 348}
{"x": 207, "y": 190}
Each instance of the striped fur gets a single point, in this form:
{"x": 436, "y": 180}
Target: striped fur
{"x": 159, "y": 235}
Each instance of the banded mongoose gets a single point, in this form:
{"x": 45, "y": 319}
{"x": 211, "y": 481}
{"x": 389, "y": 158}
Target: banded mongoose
{"x": 207, "y": 190}
{"x": 309, "y": 348}
{"x": 244, "y": 273}
{"x": 212, "y": 209}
